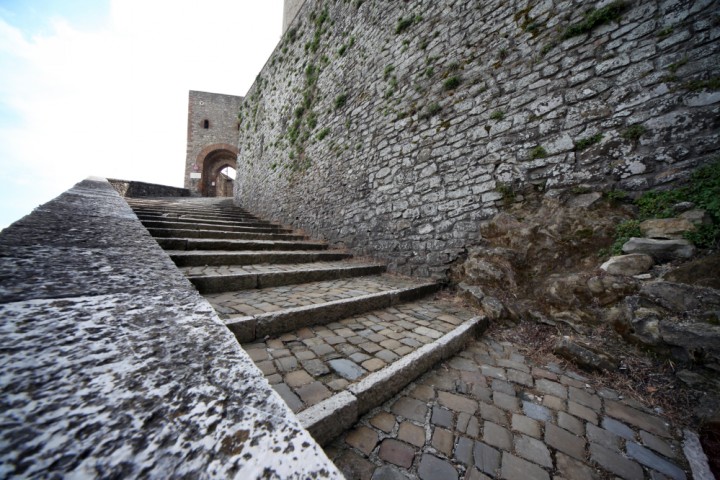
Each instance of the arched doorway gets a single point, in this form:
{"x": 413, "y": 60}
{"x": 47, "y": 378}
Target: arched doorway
{"x": 217, "y": 163}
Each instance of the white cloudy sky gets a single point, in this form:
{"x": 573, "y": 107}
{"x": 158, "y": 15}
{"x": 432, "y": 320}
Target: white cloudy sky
{"x": 99, "y": 87}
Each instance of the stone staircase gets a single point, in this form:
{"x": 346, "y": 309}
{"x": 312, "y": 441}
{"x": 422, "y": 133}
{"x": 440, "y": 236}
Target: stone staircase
{"x": 334, "y": 335}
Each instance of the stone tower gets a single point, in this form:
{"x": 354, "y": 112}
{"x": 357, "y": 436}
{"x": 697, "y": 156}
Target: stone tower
{"x": 289, "y": 11}
{"x": 211, "y": 142}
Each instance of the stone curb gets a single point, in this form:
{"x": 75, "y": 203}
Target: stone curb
{"x": 218, "y": 244}
{"x": 244, "y": 281}
{"x": 331, "y": 417}
{"x": 249, "y": 328}
{"x": 200, "y": 259}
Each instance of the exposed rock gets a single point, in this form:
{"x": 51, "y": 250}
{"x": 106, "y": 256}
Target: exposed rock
{"x": 660, "y": 250}
{"x": 493, "y": 307}
{"x": 695, "y": 342}
{"x": 667, "y": 228}
{"x": 610, "y": 288}
{"x": 683, "y": 206}
{"x": 682, "y": 298}
{"x": 584, "y": 355}
{"x": 628, "y": 265}
{"x": 704, "y": 272}
{"x": 585, "y": 200}
{"x": 697, "y": 217}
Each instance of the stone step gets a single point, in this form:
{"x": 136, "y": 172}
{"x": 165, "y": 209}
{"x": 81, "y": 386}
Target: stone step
{"x": 223, "y": 257}
{"x": 220, "y": 234}
{"x": 195, "y": 220}
{"x": 190, "y": 244}
{"x": 202, "y": 215}
{"x": 205, "y": 226}
{"x": 216, "y": 279}
{"x": 331, "y": 374}
{"x": 187, "y": 206}
{"x": 252, "y": 314}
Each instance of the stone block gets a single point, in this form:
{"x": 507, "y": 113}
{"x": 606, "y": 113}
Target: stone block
{"x": 514, "y": 467}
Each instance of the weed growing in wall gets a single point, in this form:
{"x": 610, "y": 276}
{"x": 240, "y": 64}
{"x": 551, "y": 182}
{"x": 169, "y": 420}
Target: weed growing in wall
{"x": 405, "y": 23}
{"x": 452, "y": 83}
{"x": 497, "y": 115}
{"x": 538, "y": 152}
{"x": 595, "y": 18}
{"x": 587, "y": 142}
{"x": 634, "y": 132}
{"x": 340, "y": 100}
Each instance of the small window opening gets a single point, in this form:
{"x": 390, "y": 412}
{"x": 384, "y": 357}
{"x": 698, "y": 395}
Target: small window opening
{"x": 206, "y": 123}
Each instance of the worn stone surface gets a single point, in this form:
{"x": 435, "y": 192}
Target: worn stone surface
{"x": 407, "y": 168}
{"x": 660, "y": 250}
{"x": 114, "y": 354}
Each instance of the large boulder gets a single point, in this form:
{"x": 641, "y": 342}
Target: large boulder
{"x": 628, "y": 265}
{"x": 660, "y": 250}
{"x": 697, "y": 217}
{"x": 666, "y": 228}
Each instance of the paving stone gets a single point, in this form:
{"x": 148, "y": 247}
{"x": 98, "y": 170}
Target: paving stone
{"x": 657, "y": 444}
{"x": 618, "y": 428}
{"x": 347, "y": 369}
{"x": 635, "y": 417}
{"x": 521, "y": 378}
{"x": 387, "y": 356}
{"x": 516, "y": 468}
{"x": 506, "y": 402}
{"x": 526, "y": 425}
{"x": 465, "y": 364}
{"x": 483, "y": 394}
{"x": 497, "y": 436}
{"x": 473, "y": 428}
{"x": 390, "y": 472}
{"x": 298, "y": 378}
{"x": 412, "y": 434}
{"x": 603, "y": 437}
{"x": 292, "y": 400}
{"x": 537, "y": 412}
{"x": 362, "y": 438}
{"x": 654, "y": 461}
{"x": 507, "y": 363}
{"x": 493, "y": 372}
{"x": 534, "y": 450}
{"x": 570, "y": 423}
{"x": 615, "y": 463}
{"x": 556, "y": 403}
{"x": 433, "y": 468}
{"x": 337, "y": 385}
{"x": 571, "y": 382}
{"x": 584, "y": 398}
{"x": 383, "y": 421}
{"x": 493, "y": 413}
{"x": 359, "y": 357}
{"x": 443, "y": 440}
{"x": 423, "y": 392}
{"x": 486, "y": 458}
{"x": 370, "y": 347}
{"x": 542, "y": 373}
{"x": 397, "y": 452}
{"x": 583, "y": 412}
{"x": 305, "y": 355}
{"x": 441, "y": 417}
{"x": 464, "y": 451}
{"x": 373, "y": 364}
{"x": 322, "y": 349}
{"x": 410, "y": 408}
{"x": 280, "y": 353}
{"x": 564, "y": 441}
{"x": 267, "y": 367}
{"x": 457, "y": 403}
{"x": 462, "y": 421}
{"x": 313, "y": 393}
{"x": 258, "y": 354}
{"x": 552, "y": 388}
{"x": 571, "y": 469}
{"x": 354, "y": 466}
{"x": 474, "y": 474}
{"x": 274, "y": 378}
{"x": 503, "y": 386}
{"x": 315, "y": 367}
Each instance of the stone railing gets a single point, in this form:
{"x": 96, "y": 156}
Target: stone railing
{"x": 114, "y": 366}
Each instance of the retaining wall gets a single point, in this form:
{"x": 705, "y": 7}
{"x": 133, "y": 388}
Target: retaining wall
{"x": 395, "y": 128}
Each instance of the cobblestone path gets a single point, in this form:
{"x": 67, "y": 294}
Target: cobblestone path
{"x": 489, "y": 412}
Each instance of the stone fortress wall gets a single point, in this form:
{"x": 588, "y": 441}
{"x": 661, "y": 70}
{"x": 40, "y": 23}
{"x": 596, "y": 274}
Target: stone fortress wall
{"x": 211, "y": 144}
{"x": 395, "y": 128}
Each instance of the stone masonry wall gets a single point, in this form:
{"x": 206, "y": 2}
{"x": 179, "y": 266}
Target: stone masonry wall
{"x": 394, "y": 128}
{"x": 130, "y": 188}
{"x": 221, "y": 113}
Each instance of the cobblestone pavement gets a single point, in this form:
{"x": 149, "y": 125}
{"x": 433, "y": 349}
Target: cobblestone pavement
{"x": 211, "y": 270}
{"x": 489, "y": 412}
{"x": 308, "y": 365}
{"x": 253, "y": 302}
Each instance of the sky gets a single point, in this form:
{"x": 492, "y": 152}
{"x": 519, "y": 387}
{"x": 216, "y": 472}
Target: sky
{"x": 100, "y": 87}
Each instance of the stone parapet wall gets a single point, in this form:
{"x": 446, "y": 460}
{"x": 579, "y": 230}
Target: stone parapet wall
{"x": 129, "y": 188}
{"x": 395, "y": 128}
{"x": 113, "y": 365}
